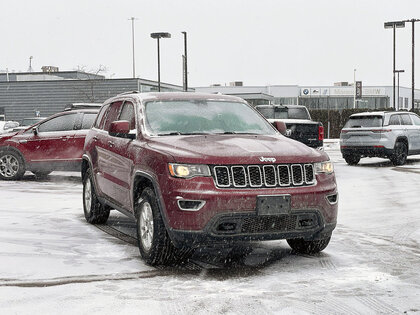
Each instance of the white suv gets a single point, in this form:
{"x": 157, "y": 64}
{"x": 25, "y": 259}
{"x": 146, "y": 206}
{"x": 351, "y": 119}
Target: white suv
{"x": 393, "y": 135}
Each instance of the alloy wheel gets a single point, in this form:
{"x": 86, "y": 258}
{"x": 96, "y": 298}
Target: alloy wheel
{"x": 88, "y": 194}
{"x": 9, "y": 166}
{"x": 146, "y": 227}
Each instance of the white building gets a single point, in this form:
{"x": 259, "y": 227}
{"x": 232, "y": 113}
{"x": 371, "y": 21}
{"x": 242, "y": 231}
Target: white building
{"x": 339, "y": 96}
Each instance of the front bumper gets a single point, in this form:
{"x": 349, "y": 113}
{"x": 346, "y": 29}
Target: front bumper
{"x": 230, "y": 214}
{"x": 224, "y": 230}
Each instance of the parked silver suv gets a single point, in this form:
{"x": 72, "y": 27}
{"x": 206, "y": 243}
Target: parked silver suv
{"x": 393, "y": 135}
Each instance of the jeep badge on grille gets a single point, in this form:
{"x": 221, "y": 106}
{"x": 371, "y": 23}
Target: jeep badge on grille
{"x": 264, "y": 159}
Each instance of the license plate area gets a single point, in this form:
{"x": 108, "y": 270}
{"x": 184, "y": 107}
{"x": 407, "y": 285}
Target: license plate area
{"x": 273, "y": 205}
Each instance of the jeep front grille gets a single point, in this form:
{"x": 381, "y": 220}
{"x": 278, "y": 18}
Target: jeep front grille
{"x": 263, "y": 176}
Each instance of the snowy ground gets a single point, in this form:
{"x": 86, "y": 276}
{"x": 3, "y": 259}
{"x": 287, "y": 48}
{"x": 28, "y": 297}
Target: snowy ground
{"x": 52, "y": 261}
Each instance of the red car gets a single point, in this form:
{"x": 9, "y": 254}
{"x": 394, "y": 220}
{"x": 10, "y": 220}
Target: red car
{"x": 56, "y": 143}
{"x": 203, "y": 169}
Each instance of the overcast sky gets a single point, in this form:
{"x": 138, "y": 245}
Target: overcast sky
{"x": 258, "y": 42}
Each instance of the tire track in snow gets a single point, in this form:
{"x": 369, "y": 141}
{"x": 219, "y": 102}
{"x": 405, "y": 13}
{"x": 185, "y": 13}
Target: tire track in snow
{"x": 376, "y": 305}
{"x": 327, "y": 263}
{"x": 89, "y": 278}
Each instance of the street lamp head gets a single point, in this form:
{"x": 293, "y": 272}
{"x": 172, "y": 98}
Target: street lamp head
{"x": 396, "y": 24}
{"x": 160, "y": 35}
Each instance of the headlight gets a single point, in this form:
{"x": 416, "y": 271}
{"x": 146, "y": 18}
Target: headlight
{"x": 326, "y": 167}
{"x": 188, "y": 170}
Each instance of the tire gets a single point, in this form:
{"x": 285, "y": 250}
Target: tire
{"x": 12, "y": 165}
{"x": 95, "y": 212}
{"x": 308, "y": 247}
{"x": 41, "y": 174}
{"x": 352, "y": 159}
{"x": 155, "y": 245}
{"x": 399, "y": 156}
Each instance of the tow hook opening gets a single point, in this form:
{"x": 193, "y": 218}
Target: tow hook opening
{"x": 227, "y": 227}
{"x": 332, "y": 199}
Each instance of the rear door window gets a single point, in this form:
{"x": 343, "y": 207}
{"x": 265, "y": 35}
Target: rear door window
{"x": 364, "y": 121}
{"x": 394, "y": 120}
{"x": 60, "y": 123}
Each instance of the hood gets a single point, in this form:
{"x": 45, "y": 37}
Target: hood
{"x": 236, "y": 149}
{"x": 6, "y": 136}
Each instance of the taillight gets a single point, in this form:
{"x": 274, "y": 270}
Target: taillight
{"x": 381, "y": 130}
{"x": 320, "y": 132}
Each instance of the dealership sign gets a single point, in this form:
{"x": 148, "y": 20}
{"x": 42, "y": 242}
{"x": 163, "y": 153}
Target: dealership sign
{"x": 341, "y": 91}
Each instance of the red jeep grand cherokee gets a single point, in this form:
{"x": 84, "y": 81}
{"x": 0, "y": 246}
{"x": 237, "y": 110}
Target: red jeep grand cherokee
{"x": 202, "y": 169}
{"x": 55, "y": 143}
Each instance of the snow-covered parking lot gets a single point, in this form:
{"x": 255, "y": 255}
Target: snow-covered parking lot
{"x": 52, "y": 261}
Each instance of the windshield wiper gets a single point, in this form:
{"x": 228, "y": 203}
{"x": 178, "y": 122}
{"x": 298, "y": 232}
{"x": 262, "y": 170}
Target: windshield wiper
{"x": 176, "y": 133}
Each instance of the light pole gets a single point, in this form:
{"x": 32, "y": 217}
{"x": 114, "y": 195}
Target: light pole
{"x": 398, "y": 88}
{"x": 185, "y": 68}
{"x": 394, "y": 25}
{"x": 158, "y": 36}
{"x": 132, "y": 39}
{"x": 412, "y": 60}
{"x": 354, "y": 85}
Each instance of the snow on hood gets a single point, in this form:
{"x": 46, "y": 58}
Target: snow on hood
{"x": 236, "y": 149}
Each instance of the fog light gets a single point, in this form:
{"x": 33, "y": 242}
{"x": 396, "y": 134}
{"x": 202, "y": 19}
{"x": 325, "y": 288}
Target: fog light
{"x": 190, "y": 205}
{"x": 332, "y": 199}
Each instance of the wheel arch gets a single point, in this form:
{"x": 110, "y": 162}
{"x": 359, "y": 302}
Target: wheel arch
{"x": 15, "y": 150}
{"x": 403, "y": 139}
{"x": 86, "y": 164}
{"x": 141, "y": 181}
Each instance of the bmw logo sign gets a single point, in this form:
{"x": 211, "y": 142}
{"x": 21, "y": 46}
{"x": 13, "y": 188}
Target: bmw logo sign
{"x": 305, "y": 91}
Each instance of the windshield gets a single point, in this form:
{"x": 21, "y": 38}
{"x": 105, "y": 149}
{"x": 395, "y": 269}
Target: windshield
{"x": 203, "y": 117}
{"x": 30, "y": 121}
{"x": 280, "y": 112}
{"x": 364, "y": 121}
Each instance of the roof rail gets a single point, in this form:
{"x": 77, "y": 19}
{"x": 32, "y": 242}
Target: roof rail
{"x": 129, "y": 92}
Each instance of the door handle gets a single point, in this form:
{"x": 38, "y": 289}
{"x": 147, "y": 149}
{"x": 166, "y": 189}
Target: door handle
{"x": 111, "y": 144}
{"x": 23, "y": 141}
{"x": 65, "y": 138}
{"x": 95, "y": 138}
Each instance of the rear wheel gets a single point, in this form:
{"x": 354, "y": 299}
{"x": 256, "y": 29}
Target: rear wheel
{"x": 12, "y": 165}
{"x": 399, "y": 156}
{"x": 153, "y": 240}
{"x": 352, "y": 159}
{"x": 308, "y": 247}
{"x": 95, "y": 212}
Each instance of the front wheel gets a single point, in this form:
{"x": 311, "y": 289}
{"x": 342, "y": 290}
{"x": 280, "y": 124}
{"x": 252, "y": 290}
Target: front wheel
{"x": 308, "y": 247}
{"x": 153, "y": 240}
{"x": 12, "y": 165}
{"x": 399, "y": 156}
{"x": 95, "y": 212}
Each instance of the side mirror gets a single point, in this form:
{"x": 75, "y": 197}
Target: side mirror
{"x": 121, "y": 128}
{"x": 281, "y": 127}
{"x": 35, "y": 130}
